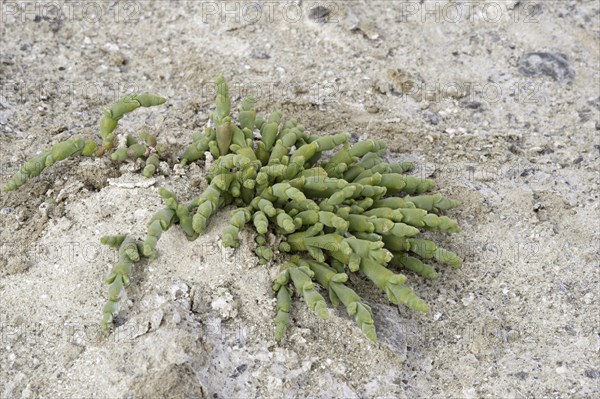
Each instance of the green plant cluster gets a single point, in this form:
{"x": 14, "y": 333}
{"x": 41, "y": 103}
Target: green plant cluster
{"x": 336, "y": 208}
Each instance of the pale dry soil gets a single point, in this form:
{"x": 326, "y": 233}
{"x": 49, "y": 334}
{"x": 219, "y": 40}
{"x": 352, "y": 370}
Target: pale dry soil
{"x": 513, "y": 135}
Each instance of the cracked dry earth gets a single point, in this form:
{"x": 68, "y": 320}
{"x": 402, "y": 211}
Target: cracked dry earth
{"x": 503, "y": 110}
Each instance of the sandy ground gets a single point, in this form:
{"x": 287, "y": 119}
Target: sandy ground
{"x": 498, "y": 101}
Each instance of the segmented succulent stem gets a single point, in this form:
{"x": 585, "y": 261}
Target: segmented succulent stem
{"x": 117, "y": 110}
{"x": 70, "y": 148}
{"x": 77, "y": 146}
{"x": 119, "y": 276}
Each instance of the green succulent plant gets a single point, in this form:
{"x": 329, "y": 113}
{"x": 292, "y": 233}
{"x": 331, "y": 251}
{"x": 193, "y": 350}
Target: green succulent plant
{"x": 339, "y": 208}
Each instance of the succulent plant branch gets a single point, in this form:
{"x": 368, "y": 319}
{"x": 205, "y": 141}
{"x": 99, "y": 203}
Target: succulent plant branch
{"x": 119, "y": 276}
{"x": 349, "y": 212}
{"x": 78, "y": 146}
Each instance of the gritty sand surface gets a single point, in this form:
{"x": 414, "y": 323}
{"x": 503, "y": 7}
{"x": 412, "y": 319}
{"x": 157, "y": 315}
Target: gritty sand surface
{"x": 498, "y": 101}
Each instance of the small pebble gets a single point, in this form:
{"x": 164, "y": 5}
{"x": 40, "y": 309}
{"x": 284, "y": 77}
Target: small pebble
{"x": 22, "y": 216}
{"x": 319, "y": 14}
{"x": 431, "y": 117}
{"x": 555, "y": 65}
{"x": 259, "y": 54}
{"x": 372, "y": 109}
{"x": 178, "y": 291}
{"x": 467, "y": 300}
{"x": 512, "y": 336}
{"x": 522, "y": 375}
{"x": 44, "y": 209}
{"x": 592, "y": 373}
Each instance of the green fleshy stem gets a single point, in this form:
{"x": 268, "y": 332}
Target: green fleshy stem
{"x": 264, "y": 253}
{"x": 196, "y": 150}
{"x": 224, "y": 135}
{"x": 119, "y": 276}
{"x": 151, "y": 165}
{"x": 415, "y": 265}
{"x": 239, "y": 218}
{"x": 70, "y": 148}
{"x": 301, "y": 277}
{"x": 428, "y": 249}
{"x": 247, "y": 116}
{"x": 340, "y": 293}
{"x": 282, "y": 319}
{"x": 433, "y": 203}
{"x": 223, "y": 102}
{"x": 208, "y": 203}
{"x": 392, "y": 284}
{"x": 160, "y": 222}
{"x": 117, "y": 110}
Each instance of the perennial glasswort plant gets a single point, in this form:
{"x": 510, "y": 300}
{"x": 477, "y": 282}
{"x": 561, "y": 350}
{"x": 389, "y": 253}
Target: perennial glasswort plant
{"x": 349, "y": 212}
